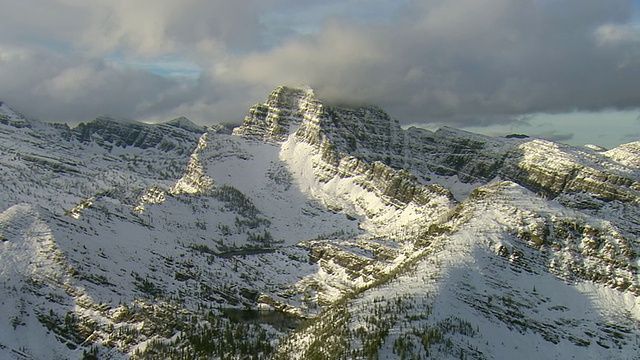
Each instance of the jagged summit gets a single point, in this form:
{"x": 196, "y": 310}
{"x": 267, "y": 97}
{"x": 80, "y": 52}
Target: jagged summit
{"x": 367, "y": 132}
{"x": 284, "y": 108}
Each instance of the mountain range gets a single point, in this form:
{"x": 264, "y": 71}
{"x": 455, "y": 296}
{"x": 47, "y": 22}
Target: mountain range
{"x": 313, "y": 231}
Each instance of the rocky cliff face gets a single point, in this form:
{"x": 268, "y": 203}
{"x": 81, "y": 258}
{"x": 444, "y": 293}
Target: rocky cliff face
{"x": 106, "y": 132}
{"x": 450, "y": 152}
{"x": 285, "y": 108}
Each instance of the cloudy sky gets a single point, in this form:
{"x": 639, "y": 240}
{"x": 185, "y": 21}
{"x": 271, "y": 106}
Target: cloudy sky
{"x": 567, "y": 70}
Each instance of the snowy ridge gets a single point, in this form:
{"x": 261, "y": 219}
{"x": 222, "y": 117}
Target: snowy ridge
{"x": 128, "y": 240}
{"x": 626, "y": 154}
{"x": 194, "y": 180}
{"x": 553, "y": 169}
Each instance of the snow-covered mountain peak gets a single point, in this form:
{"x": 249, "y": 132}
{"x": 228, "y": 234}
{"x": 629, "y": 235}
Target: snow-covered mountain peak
{"x": 10, "y": 117}
{"x": 280, "y": 114}
{"x": 186, "y": 124}
{"x": 352, "y": 131}
{"x": 5, "y": 110}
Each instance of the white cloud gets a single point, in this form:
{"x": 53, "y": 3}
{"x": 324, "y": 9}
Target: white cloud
{"x": 72, "y": 83}
{"x": 617, "y": 34}
{"x": 68, "y": 87}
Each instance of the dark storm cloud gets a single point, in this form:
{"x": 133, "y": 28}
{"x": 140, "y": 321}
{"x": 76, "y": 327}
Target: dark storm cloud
{"x": 464, "y": 62}
{"x": 469, "y": 61}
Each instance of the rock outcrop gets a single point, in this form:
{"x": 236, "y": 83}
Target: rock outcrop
{"x": 273, "y": 120}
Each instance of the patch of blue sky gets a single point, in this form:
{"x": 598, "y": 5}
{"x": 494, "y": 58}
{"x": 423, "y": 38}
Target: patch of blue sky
{"x": 166, "y": 66}
{"x": 308, "y": 18}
